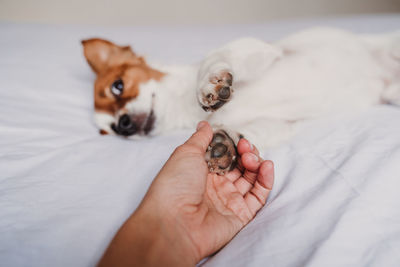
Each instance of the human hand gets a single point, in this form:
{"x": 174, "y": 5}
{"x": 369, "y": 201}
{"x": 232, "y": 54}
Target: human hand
{"x": 189, "y": 213}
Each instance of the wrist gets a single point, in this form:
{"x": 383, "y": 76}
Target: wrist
{"x": 148, "y": 238}
{"x": 166, "y": 242}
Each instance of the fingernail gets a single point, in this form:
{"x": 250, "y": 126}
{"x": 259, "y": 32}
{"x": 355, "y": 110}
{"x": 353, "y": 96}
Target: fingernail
{"x": 269, "y": 164}
{"x": 250, "y": 145}
{"x": 200, "y": 125}
{"x": 254, "y": 157}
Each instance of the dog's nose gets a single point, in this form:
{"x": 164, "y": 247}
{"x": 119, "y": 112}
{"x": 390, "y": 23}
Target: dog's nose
{"x": 224, "y": 92}
{"x": 126, "y": 126}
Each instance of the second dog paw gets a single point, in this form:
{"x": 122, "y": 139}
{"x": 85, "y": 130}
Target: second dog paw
{"x": 221, "y": 154}
{"x": 216, "y": 91}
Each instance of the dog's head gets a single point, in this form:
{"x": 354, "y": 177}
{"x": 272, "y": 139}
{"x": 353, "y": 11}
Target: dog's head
{"x": 123, "y": 105}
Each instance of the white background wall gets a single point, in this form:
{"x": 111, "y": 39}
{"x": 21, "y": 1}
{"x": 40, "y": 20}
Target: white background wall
{"x": 129, "y": 12}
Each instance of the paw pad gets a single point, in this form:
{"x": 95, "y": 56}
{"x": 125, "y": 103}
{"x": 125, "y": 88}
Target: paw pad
{"x": 221, "y": 153}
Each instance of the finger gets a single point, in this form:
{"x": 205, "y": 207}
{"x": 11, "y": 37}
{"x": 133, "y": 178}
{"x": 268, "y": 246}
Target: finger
{"x": 241, "y": 169}
{"x": 202, "y": 137}
{"x": 244, "y": 146}
{"x": 251, "y": 163}
{"x": 230, "y": 198}
{"x": 233, "y": 175}
{"x": 258, "y": 194}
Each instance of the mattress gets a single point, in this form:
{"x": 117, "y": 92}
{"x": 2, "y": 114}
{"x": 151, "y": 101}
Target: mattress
{"x": 65, "y": 190}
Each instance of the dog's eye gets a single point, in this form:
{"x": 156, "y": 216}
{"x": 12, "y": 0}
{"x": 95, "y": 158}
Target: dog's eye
{"x": 117, "y": 87}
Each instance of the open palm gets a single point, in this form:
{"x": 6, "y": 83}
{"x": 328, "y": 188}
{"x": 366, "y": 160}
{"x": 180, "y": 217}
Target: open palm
{"x": 212, "y": 208}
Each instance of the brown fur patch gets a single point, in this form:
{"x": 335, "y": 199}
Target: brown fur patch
{"x": 112, "y": 62}
{"x": 103, "y": 132}
{"x": 132, "y": 77}
{"x": 102, "y": 54}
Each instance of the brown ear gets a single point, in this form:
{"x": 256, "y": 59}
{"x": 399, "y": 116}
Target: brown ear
{"x": 102, "y": 54}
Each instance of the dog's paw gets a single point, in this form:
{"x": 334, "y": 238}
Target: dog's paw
{"x": 221, "y": 153}
{"x": 215, "y": 90}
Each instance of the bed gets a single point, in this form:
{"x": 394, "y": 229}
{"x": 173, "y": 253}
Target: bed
{"x": 65, "y": 189}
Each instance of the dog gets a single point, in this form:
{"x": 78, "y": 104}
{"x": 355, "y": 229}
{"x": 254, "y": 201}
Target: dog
{"x": 263, "y": 91}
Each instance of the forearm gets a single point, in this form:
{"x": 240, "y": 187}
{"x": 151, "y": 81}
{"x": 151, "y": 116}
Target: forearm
{"x": 146, "y": 240}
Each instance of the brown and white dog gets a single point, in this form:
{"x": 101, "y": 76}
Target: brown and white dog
{"x": 248, "y": 87}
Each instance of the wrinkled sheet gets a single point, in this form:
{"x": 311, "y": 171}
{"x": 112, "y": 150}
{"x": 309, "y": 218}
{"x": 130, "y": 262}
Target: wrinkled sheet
{"x": 65, "y": 190}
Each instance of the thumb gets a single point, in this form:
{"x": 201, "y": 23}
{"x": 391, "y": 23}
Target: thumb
{"x": 202, "y": 137}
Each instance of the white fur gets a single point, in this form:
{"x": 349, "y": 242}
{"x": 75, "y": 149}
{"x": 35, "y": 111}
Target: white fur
{"x": 276, "y": 86}
{"x": 103, "y": 121}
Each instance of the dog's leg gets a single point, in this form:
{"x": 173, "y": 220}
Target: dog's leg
{"x": 231, "y": 67}
{"x": 221, "y": 155}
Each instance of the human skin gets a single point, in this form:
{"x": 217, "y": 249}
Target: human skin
{"x": 189, "y": 213}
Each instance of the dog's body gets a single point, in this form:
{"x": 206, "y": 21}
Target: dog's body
{"x": 252, "y": 88}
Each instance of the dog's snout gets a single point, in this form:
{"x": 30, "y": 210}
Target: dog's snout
{"x": 224, "y": 93}
{"x": 126, "y": 126}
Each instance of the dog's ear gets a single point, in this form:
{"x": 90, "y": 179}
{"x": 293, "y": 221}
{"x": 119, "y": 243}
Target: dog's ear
{"x": 102, "y": 54}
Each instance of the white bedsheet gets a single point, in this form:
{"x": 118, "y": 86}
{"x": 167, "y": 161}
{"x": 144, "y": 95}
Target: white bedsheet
{"x": 65, "y": 190}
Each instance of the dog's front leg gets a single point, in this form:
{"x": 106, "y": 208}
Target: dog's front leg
{"x": 231, "y": 67}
